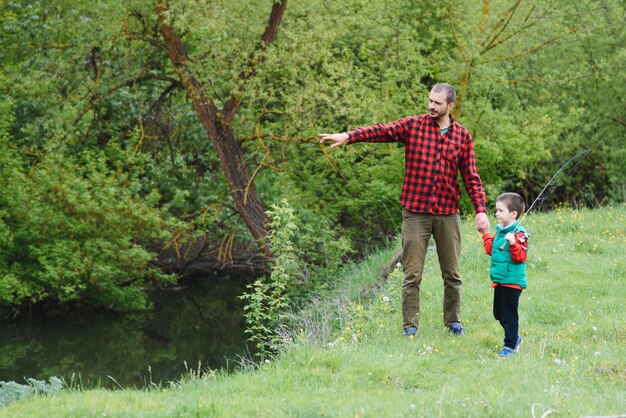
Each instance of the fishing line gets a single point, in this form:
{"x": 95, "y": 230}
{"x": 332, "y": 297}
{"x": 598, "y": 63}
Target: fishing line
{"x": 552, "y": 185}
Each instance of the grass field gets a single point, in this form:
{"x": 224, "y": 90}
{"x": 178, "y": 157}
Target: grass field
{"x": 572, "y": 362}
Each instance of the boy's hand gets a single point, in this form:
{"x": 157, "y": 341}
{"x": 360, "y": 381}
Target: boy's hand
{"x": 510, "y": 238}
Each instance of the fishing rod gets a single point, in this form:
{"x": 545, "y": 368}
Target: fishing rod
{"x": 552, "y": 184}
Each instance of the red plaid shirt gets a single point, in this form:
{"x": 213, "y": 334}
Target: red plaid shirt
{"x": 431, "y": 163}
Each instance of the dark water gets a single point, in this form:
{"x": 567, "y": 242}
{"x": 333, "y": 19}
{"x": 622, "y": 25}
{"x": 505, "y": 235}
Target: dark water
{"x": 201, "y": 325}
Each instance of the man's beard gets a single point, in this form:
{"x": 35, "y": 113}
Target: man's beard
{"x": 436, "y": 115}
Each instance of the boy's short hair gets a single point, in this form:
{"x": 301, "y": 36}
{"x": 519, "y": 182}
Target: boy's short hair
{"x": 513, "y": 201}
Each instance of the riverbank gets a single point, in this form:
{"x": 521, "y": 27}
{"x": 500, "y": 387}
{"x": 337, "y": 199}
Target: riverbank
{"x": 201, "y": 321}
{"x": 571, "y": 362}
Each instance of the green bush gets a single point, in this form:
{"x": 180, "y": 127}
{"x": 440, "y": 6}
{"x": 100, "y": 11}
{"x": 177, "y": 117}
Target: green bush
{"x": 72, "y": 230}
{"x": 12, "y": 391}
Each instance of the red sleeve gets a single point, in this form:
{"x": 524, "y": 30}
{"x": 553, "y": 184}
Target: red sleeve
{"x": 388, "y": 132}
{"x": 471, "y": 178}
{"x": 519, "y": 249}
{"x": 488, "y": 242}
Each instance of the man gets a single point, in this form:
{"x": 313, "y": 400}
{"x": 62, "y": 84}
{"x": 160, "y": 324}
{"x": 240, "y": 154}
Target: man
{"x": 437, "y": 148}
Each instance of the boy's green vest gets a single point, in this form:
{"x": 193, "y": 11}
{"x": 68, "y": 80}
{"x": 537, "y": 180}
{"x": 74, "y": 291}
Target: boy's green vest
{"x": 503, "y": 270}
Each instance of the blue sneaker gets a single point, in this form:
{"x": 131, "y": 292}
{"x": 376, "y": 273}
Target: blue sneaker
{"x": 507, "y": 352}
{"x": 456, "y": 328}
{"x": 410, "y": 331}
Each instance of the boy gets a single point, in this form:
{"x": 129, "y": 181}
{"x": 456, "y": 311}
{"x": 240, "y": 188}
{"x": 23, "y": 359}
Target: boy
{"x": 508, "y": 249}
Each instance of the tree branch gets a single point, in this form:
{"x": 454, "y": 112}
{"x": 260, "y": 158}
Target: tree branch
{"x": 502, "y": 24}
{"x": 483, "y": 17}
{"x": 526, "y": 52}
{"x": 140, "y": 78}
{"x": 618, "y": 121}
{"x": 269, "y": 35}
{"x": 456, "y": 36}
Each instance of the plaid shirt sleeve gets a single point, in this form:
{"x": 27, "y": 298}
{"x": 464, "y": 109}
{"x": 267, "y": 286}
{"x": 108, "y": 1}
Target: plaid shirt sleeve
{"x": 471, "y": 178}
{"x": 388, "y": 132}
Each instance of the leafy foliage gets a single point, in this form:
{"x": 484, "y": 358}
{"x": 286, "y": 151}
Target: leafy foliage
{"x": 96, "y": 129}
{"x": 72, "y": 230}
{"x": 268, "y": 298}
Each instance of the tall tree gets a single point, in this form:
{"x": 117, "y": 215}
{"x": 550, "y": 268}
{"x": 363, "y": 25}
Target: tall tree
{"x": 218, "y": 123}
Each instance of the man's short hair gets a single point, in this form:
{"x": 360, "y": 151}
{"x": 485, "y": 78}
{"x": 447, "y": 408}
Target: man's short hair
{"x": 445, "y": 88}
{"x": 513, "y": 202}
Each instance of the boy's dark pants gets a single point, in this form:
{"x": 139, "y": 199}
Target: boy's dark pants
{"x": 505, "y": 304}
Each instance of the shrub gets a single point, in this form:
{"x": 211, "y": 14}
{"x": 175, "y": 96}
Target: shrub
{"x": 12, "y": 391}
{"x": 268, "y": 298}
{"x": 71, "y": 229}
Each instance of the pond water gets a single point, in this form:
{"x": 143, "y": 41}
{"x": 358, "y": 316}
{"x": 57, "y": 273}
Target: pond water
{"x": 201, "y": 325}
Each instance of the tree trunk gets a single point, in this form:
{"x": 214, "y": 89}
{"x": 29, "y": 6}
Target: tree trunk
{"x": 461, "y": 91}
{"x": 241, "y": 185}
{"x": 220, "y": 132}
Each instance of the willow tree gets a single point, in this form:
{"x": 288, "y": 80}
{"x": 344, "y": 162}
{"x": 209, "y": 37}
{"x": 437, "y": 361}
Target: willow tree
{"x": 106, "y": 162}
{"x": 217, "y": 123}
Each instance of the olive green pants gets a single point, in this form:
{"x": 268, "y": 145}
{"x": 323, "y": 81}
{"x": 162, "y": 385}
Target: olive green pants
{"x": 417, "y": 229}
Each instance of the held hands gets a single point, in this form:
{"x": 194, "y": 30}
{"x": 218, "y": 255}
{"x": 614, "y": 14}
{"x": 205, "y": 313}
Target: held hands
{"x": 337, "y": 139}
{"x": 482, "y": 223}
{"x": 510, "y": 238}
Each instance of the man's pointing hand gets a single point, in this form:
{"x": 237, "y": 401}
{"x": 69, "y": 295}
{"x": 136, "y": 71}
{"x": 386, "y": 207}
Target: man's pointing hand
{"x": 337, "y": 139}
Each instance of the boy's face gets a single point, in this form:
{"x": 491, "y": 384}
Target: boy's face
{"x": 503, "y": 215}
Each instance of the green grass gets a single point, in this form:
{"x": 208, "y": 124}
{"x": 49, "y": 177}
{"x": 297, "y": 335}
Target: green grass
{"x": 572, "y": 362}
